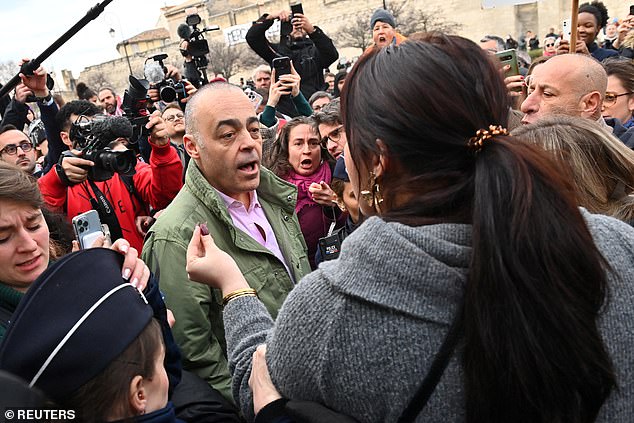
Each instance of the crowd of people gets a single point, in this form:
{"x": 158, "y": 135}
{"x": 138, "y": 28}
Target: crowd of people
{"x": 399, "y": 241}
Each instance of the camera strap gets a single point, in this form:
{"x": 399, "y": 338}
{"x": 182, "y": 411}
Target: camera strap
{"x": 106, "y": 212}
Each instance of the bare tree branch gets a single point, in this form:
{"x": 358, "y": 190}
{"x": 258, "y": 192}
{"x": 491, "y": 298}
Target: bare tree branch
{"x": 8, "y": 70}
{"x": 227, "y": 60}
{"x": 97, "y": 80}
{"x": 357, "y": 33}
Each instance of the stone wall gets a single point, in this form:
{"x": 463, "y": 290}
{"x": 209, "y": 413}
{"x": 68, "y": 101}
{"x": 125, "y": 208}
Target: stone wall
{"x": 331, "y": 15}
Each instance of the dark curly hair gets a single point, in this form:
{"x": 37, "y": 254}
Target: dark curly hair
{"x": 597, "y": 9}
{"x": 84, "y": 92}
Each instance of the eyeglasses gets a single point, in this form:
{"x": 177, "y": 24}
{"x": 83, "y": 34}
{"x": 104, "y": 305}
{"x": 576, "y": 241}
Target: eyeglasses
{"x": 334, "y": 136}
{"x": 172, "y": 118}
{"x": 12, "y": 149}
{"x": 612, "y": 97}
{"x": 550, "y": 45}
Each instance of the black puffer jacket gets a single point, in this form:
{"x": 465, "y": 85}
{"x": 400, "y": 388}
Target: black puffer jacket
{"x": 310, "y": 56}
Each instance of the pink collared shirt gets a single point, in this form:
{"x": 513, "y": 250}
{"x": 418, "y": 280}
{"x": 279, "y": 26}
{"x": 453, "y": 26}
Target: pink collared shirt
{"x": 249, "y": 220}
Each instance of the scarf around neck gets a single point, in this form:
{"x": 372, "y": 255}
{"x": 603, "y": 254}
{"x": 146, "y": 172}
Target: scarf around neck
{"x": 304, "y": 198}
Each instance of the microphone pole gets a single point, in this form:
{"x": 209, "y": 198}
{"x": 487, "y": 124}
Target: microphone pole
{"x": 29, "y": 67}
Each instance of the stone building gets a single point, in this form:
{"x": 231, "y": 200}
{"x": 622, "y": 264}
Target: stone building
{"x": 332, "y": 15}
{"x": 145, "y": 41}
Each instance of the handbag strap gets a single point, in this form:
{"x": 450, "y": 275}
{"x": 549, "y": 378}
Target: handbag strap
{"x": 438, "y": 366}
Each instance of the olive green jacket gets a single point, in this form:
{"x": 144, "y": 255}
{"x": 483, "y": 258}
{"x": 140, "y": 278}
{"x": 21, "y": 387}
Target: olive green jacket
{"x": 197, "y": 308}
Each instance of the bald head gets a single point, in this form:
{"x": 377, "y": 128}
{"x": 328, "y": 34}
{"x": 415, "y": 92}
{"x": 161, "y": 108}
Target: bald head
{"x": 569, "y": 84}
{"x": 208, "y": 94}
{"x": 585, "y": 70}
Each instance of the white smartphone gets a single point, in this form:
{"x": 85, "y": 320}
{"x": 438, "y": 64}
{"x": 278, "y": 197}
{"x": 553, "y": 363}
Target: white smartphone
{"x": 87, "y": 227}
{"x": 566, "y": 29}
{"x": 254, "y": 97}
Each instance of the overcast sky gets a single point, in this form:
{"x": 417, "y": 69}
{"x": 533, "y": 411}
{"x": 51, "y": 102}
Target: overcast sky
{"x": 30, "y": 26}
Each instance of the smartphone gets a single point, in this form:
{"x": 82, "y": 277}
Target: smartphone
{"x": 566, "y": 26}
{"x": 509, "y": 57}
{"x": 282, "y": 66}
{"x": 632, "y": 9}
{"x": 87, "y": 227}
{"x": 296, "y": 8}
{"x": 254, "y": 97}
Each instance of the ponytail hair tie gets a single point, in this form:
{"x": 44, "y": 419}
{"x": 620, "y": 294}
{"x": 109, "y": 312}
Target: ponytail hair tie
{"x": 483, "y": 135}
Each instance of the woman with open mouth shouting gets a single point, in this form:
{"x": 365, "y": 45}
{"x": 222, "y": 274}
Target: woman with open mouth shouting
{"x": 299, "y": 157}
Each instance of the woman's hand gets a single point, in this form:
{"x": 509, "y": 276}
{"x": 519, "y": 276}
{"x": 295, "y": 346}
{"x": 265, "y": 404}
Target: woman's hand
{"x": 260, "y": 382}
{"x": 276, "y": 91}
{"x": 134, "y": 269}
{"x": 208, "y": 264}
{"x": 322, "y": 193}
{"x": 514, "y": 84}
{"x": 564, "y": 47}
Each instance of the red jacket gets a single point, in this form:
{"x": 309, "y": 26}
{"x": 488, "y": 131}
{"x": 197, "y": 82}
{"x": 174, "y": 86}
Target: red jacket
{"x": 156, "y": 183}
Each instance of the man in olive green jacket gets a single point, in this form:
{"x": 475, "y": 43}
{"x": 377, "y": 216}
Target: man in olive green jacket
{"x": 250, "y": 215}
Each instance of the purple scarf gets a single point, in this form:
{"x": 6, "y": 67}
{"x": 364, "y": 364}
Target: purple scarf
{"x": 304, "y": 198}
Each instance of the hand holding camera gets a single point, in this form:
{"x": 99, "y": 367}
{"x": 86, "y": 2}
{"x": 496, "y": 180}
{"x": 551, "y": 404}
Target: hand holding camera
{"x": 75, "y": 168}
{"x": 158, "y": 134}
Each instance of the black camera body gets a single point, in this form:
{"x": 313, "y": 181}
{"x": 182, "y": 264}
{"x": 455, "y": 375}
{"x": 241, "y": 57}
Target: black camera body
{"x": 170, "y": 90}
{"x": 197, "y": 44}
{"x": 94, "y": 137}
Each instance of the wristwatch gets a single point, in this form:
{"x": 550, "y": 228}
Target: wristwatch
{"x": 45, "y": 100}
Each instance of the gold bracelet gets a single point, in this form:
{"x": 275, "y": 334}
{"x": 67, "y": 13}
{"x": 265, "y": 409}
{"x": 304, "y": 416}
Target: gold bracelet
{"x": 244, "y": 292}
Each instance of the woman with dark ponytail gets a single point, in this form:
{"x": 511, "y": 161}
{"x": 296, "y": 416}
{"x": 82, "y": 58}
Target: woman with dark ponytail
{"x": 477, "y": 291}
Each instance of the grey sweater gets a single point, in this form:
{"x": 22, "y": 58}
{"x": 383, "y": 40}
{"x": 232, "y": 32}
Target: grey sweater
{"x": 360, "y": 333}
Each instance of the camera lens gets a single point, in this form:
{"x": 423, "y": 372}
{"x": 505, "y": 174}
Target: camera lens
{"x": 167, "y": 94}
{"x": 116, "y": 161}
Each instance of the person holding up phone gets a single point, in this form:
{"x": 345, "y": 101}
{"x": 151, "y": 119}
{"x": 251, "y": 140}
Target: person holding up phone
{"x": 308, "y": 47}
{"x": 592, "y": 17}
{"x": 285, "y": 86}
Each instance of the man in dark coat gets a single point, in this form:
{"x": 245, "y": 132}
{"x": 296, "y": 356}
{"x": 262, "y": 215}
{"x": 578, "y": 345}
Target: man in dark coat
{"x": 307, "y": 46}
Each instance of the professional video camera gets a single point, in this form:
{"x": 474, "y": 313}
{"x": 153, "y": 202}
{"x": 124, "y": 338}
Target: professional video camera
{"x": 169, "y": 89}
{"x": 134, "y": 106}
{"x": 197, "y": 45}
{"x": 93, "y": 138}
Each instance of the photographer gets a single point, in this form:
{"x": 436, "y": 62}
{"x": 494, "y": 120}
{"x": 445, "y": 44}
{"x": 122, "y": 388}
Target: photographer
{"x": 181, "y": 89}
{"x": 36, "y": 85}
{"x": 69, "y": 187}
{"x": 189, "y": 66}
{"x": 309, "y": 48}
